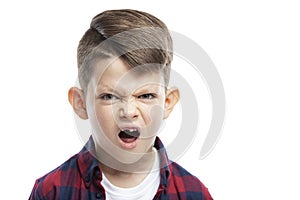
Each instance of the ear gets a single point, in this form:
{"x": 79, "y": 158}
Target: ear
{"x": 76, "y": 99}
{"x": 172, "y": 97}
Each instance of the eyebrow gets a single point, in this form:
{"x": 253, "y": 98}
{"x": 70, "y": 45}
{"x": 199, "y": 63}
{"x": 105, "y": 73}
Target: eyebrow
{"x": 143, "y": 89}
{"x": 104, "y": 87}
{"x": 147, "y": 89}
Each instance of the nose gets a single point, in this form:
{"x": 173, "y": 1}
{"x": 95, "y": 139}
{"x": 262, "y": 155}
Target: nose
{"x": 129, "y": 110}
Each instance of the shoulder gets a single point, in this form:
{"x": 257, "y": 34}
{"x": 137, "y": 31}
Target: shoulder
{"x": 186, "y": 184}
{"x": 63, "y": 175}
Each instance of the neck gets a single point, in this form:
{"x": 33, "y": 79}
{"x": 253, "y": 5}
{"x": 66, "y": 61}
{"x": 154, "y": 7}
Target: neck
{"x": 126, "y": 175}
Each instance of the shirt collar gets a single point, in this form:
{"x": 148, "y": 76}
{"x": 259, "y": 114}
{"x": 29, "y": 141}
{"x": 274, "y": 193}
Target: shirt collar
{"x": 89, "y": 166}
{"x": 87, "y": 162}
{"x": 165, "y": 170}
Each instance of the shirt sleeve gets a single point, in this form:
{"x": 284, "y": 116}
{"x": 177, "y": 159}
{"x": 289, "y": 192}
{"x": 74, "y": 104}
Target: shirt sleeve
{"x": 34, "y": 195}
{"x": 206, "y": 193}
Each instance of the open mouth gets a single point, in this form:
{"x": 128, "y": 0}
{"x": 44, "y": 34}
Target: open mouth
{"x": 129, "y": 135}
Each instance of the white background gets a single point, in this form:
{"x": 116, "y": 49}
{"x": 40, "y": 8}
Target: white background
{"x": 255, "y": 46}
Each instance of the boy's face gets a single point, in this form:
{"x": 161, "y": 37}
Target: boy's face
{"x": 126, "y": 109}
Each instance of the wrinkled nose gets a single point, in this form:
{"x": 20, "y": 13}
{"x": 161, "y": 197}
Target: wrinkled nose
{"x": 129, "y": 110}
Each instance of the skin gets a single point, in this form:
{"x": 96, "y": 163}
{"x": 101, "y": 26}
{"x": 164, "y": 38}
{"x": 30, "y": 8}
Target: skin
{"x": 118, "y": 97}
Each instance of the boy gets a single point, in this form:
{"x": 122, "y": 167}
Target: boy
{"x": 124, "y": 63}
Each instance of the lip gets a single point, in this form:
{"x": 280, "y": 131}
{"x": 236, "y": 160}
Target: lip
{"x": 128, "y": 145}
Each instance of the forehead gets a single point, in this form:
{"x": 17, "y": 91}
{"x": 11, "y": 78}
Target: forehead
{"x": 118, "y": 75}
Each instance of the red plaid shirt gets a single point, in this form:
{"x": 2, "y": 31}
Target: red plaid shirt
{"x": 80, "y": 178}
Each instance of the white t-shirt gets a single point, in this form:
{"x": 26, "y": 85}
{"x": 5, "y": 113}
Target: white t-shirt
{"x": 145, "y": 190}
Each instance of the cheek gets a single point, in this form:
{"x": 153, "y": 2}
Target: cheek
{"x": 153, "y": 119}
{"x": 104, "y": 116}
{"x": 101, "y": 119}
{"x": 156, "y": 114}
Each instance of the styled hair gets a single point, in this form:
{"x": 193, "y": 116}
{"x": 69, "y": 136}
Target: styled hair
{"x": 137, "y": 38}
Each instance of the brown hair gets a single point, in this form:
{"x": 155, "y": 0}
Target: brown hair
{"x": 136, "y": 37}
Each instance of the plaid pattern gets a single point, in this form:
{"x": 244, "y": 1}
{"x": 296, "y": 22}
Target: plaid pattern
{"x": 80, "y": 178}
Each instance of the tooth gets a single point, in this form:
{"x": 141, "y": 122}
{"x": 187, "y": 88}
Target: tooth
{"x": 130, "y": 130}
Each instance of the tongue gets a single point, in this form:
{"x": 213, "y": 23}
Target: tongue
{"x": 128, "y": 140}
{"x": 128, "y": 137}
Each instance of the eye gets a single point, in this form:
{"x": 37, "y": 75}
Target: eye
{"x": 108, "y": 97}
{"x": 147, "y": 96}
